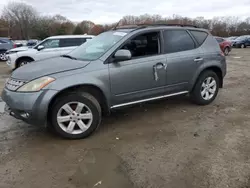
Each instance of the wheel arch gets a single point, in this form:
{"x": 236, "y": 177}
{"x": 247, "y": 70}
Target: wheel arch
{"x": 89, "y": 88}
{"x": 23, "y": 57}
{"x": 213, "y": 68}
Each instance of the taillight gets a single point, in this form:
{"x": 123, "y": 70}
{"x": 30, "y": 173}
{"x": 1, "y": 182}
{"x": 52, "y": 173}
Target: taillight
{"x": 14, "y": 45}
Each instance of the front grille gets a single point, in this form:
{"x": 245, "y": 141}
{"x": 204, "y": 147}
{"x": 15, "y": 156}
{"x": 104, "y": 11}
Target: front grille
{"x": 13, "y": 84}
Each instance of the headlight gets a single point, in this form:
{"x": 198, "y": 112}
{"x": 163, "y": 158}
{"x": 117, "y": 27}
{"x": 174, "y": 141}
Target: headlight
{"x": 36, "y": 85}
{"x": 11, "y": 52}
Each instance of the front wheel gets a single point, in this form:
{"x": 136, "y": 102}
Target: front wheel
{"x": 23, "y": 61}
{"x": 206, "y": 88}
{"x": 76, "y": 115}
{"x": 242, "y": 46}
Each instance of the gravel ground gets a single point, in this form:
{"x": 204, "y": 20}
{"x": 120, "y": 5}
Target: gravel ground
{"x": 168, "y": 143}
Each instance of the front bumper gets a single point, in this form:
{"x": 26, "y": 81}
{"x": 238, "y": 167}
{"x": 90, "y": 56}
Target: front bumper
{"x": 11, "y": 60}
{"x": 29, "y": 107}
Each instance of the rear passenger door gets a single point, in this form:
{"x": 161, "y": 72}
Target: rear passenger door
{"x": 183, "y": 57}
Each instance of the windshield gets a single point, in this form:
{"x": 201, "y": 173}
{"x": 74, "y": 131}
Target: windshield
{"x": 38, "y": 43}
{"x": 95, "y": 48}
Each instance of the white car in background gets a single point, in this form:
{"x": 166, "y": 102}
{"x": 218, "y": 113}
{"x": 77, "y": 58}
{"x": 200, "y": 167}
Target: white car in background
{"x": 49, "y": 47}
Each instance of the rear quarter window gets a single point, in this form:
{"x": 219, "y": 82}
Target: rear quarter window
{"x": 200, "y": 36}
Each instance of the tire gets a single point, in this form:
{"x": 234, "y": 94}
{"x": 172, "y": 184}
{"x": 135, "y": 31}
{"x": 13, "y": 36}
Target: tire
{"x": 226, "y": 51}
{"x": 198, "y": 95}
{"x": 73, "y": 128}
{"x": 23, "y": 62}
{"x": 242, "y": 46}
{"x": 2, "y": 55}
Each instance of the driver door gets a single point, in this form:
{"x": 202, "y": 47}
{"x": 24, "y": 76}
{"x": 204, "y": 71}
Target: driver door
{"x": 51, "y": 49}
{"x": 248, "y": 41}
{"x": 144, "y": 75}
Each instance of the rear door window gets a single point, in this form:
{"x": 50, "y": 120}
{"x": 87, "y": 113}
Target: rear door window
{"x": 72, "y": 42}
{"x": 177, "y": 41}
{"x": 200, "y": 36}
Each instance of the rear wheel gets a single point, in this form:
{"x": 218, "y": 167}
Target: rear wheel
{"x": 23, "y": 61}
{"x": 76, "y": 115}
{"x": 206, "y": 88}
{"x": 226, "y": 51}
{"x": 3, "y": 55}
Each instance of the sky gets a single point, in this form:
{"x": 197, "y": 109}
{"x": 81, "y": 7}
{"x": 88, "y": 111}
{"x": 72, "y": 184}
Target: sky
{"x": 109, "y": 11}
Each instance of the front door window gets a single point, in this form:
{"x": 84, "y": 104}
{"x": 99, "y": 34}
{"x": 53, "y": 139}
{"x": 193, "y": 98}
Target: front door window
{"x": 51, "y": 43}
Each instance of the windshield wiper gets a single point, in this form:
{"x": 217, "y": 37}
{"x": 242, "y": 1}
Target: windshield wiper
{"x": 68, "y": 56}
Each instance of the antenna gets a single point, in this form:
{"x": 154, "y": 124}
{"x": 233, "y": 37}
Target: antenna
{"x": 117, "y": 25}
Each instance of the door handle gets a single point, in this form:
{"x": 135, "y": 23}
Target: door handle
{"x": 160, "y": 66}
{"x": 198, "y": 59}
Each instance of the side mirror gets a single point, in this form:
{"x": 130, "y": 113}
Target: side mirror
{"x": 123, "y": 55}
{"x": 40, "y": 47}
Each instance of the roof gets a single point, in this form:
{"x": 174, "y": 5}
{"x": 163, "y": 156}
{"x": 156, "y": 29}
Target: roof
{"x": 70, "y": 36}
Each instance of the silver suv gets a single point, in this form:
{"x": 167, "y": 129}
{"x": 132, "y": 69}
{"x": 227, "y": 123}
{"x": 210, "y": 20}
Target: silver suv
{"x": 118, "y": 68}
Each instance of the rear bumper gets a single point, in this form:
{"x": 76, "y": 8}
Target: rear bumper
{"x": 29, "y": 107}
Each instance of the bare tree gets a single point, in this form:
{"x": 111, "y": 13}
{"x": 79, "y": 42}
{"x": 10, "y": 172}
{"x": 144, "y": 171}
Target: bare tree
{"x": 20, "y": 16}
{"x": 21, "y": 21}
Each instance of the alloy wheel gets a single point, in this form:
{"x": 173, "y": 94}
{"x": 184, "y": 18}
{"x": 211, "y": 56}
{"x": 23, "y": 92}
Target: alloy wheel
{"x": 74, "y": 118}
{"x": 3, "y": 56}
{"x": 226, "y": 52}
{"x": 23, "y": 63}
{"x": 208, "y": 88}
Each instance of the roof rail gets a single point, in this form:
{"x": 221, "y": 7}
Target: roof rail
{"x": 126, "y": 27}
{"x": 159, "y": 24}
{"x": 140, "y": 26}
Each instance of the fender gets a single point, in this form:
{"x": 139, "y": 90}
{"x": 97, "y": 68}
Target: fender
{"x": 22, "y": 58}
{"x": 98, "y": 79}
{"x": 203, "y": 67}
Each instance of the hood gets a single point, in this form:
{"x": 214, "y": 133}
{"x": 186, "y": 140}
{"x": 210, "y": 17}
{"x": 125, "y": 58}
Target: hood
{"x": 19, "y": 49}
{"x": 46, "y": 67}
